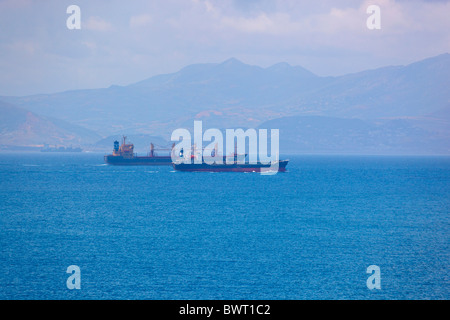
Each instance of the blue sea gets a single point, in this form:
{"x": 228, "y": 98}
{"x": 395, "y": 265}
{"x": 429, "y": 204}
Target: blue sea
{"x": 152, "y": 233}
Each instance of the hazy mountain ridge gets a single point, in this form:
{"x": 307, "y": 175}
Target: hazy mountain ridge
{"x": 233, "y": 94}
{"x": 166, "y": 98}
{"x": 319, "y": 134}
{"x": 20, "y": 127}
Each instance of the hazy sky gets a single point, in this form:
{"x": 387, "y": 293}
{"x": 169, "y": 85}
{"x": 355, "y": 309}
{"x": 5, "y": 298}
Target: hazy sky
{"x": 121, "y": 42}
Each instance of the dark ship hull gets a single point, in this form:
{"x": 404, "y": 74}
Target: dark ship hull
{"x": 138, "y": 161}
{"x": 233, "y": 167}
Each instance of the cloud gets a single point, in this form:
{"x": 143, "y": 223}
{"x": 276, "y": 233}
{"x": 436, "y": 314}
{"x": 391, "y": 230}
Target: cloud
{"x": 97, "y": 24}
{"x": 120, "y": 43}
{"x": 141, "y": 20}
{"x": 23, "y": 47}
{"x": 279, "y": 23}
{"x": 14, "y": 4}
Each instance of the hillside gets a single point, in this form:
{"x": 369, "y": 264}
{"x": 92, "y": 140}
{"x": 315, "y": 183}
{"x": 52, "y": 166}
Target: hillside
{"x": 20, "y": 127}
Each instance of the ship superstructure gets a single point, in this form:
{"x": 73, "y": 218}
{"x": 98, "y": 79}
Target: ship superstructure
{"x": 124, "y": 155}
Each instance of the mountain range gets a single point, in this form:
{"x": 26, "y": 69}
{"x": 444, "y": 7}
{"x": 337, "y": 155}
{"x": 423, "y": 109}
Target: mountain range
{"x": 389, "y": 110}
{"x": 20, "y": 128}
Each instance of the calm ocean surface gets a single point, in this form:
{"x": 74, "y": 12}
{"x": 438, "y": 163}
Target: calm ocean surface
{"x": 151, "y": 233}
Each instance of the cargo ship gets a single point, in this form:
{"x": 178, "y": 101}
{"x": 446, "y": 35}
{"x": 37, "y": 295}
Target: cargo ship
{"x": 124, "y": 155}
{"x": 232, "y": 166}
